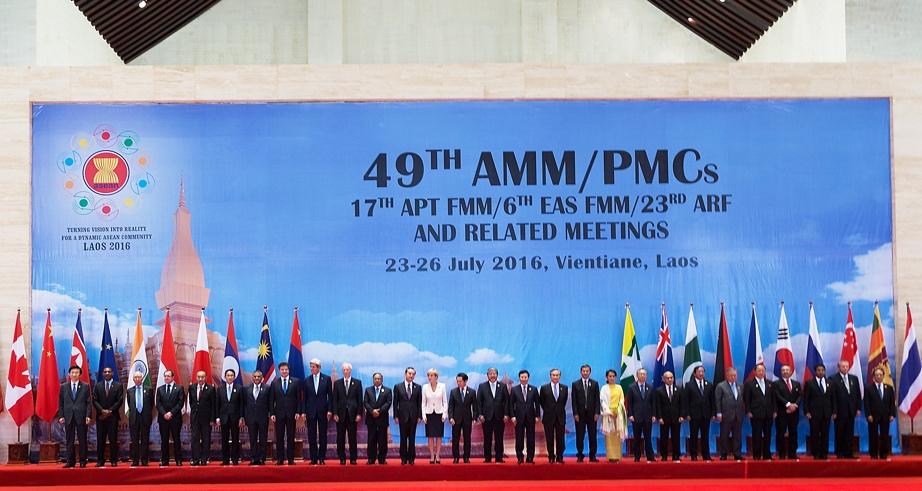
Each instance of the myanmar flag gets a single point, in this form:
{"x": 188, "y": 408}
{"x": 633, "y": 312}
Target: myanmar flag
{"x": 630, "y": 355}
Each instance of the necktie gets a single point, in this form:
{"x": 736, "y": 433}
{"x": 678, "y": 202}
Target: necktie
{"x": 643, "y": 391}
{"x": 555, "y": 392}
{"x": 586, "y": 392}
{"x": 701, "y": 386}
{"x": 463, "y": 394}
{"x": 73, "y": 390}
{"x": 822, "y": 386}
{"x": 524, "y": 393}
{"x": 138, "y": 398}
{"x": 848, "y": 390}
{"x": 256, "y": 392}
{"x": 229, "y": 391}
{"x": 493, "y": 389}
{"x": 880, "y": 388}
{"x": 347, "y": 386}
{"x": 669, "y": 391}
{"x": 735, "y": 393}
{"x": 285, "y": 385}
{"x": 316, "y": 384}
{"x": 377, "y": 392}
{"x": 761, "y": 386}
{"x": 790, "y": 389}
{"x": 169, "y": 389}
{"x": 107, "y": 388}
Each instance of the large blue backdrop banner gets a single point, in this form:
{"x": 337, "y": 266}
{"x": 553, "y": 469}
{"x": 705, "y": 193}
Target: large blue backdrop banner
{"x": 462, "y": 235}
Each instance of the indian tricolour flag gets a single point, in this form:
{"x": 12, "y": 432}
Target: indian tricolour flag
{"x": 138, "y": 359}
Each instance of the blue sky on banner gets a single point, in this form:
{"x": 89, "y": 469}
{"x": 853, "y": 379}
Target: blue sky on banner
{"x": 269, "y": 188}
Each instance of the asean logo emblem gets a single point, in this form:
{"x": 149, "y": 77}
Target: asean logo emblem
{"x": 105, "y": 172}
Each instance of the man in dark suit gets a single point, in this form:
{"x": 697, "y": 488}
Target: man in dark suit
{"x": 669, "y": 413}
{"x": 107, "y": 399}
{"x": 201, "y": 417}
{"x": 586, "y": 407}
{"x": 818, "y": 408}
{"x": 493, "y": 404}
{"x": 525, "y": 411}
{"x": 787, "y": 397}
{"x": 140, "y": 418}
{"x": 728, "y": 402}
{"x": 347, "y": 412}
{"x": 553, "y": 400}
{"x": 284, "y": 407}
{"x": 377, "y": 403}
{"x": 318, "y": 400}
{"x": 408, "y": 412}
{"x": 462, "y": 412}
{"x": 170, "y": 400}
{"x": 758, "y": 398}
{"x": 880, "y": 410}
{"x": 230, "y": 417}
{"x": 256, "y": 416}
{"x": 641, "y": 412}
{"x": 699, "y": 409}
{"x": 74, "y": 414}
{"x": 846, "y": 395}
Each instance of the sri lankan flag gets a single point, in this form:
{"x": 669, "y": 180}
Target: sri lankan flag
{"x": 878, "y": 355}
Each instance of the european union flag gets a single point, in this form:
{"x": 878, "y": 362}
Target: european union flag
{"x": 265, "y": 362}
{"x": 106, "y": 351}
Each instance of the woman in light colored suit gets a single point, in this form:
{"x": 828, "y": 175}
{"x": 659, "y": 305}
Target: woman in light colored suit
{"x": 435, "y": 407}
{"x": 613, "y": 420}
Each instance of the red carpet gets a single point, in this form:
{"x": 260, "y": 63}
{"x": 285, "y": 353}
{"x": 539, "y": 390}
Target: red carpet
{"x": 659, "y": 475}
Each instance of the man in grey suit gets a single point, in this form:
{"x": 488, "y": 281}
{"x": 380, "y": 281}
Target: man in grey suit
{"x": 641, "y": 413}
{"x": 728, "y": 399}
{"x": 74, "y": 414}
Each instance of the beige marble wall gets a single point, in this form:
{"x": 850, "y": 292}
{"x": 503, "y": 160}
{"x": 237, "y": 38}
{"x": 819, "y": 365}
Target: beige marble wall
{"x": 19, "y": 86}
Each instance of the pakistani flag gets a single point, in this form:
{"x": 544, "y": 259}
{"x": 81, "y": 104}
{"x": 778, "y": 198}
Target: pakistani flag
{"x": 692, "y": 352}
{"x": 138, "y": 359}
{"x": 630, "y": 355}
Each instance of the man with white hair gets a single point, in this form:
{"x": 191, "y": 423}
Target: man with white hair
{"x": 317, "y": 411}
{"x": 140, "y": 417}
{"x": 347, "y": 412}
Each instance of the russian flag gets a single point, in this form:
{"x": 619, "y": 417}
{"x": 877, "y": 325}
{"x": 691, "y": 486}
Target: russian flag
{"x": 814, "y": 351}
{"x": 231, "y": 360}
{"x": 910, "y": 371}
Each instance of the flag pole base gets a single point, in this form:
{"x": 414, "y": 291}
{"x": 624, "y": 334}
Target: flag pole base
{"x": 912, "y": 444}
{"x": 49, "y": 453}
{"x": 18, "y": 454}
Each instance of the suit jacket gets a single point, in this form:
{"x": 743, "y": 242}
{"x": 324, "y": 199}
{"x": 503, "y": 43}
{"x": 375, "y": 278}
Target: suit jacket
{"x": 255, "y": 410}
{"x": 493, "y": 408}
{"x": 172, "y": 403}
{"x": 580, "y": 401}
{"x": 874, "y": 405}
{"x": 382, "y": 403}
{"x": 669, "y": 410}
{"x": 317, "y": 402}
{"x": 285, "y": 405}
{"x": 229, "y": 411}
{"x": 147, "y": 406}
{"x": 555, "y": 411}
{"x": 760, "y": 405}
{"x": 783, "y": 396}
{"x": 725, "y": 404}
{"x": 846, "y": 401}
{"x": 202, "y": 408}
{"x": 111, "y": 402}
{"x": 524, "y": 407}
{"x": 699, "y": 405}
{"x": 641, "y": 407}
{"x": 408, "y": 409}
{"x": 347, "y": 404}
{"x": 817, "y": 403}
{"x": 463, "y": 409}
{"x": 74, "y": 408}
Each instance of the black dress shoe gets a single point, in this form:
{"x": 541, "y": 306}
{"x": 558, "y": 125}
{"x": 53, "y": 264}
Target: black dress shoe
{"x": 521, "y": 461}
{"x": 114, "y": 464}
{"x": 487, "y": 461}
{"x": 593, "y": 459}
{"x": 291, "y": 462}
{"x": 560, "y": 460}
{"x": 68, "y": 466}
{"x": 134, "y": 464}
{"x": 454, "y": 460}
{"x": 322, "y": 462}
{"x": 579, "y": 460}
{"x": 707, "y": 459}
{"x": 467, "y": 461}
{"x": 100, "y": 464}
{"x": 500, "y": 461}
{"x": 342, "y": 461}
{"x": 313, "y": 462}
{"x": 403, "y": 462}
{"x": 353, "y": 462}
{"x": 145, "y": 464}
{"x": 164, "y": 464}
{"x": 530, "y": 461}
{"x": 178, "y": 463}
{"x": 723, "y": 457}
{"x": 370, "y": 462}
{"x": 225, "y": 463}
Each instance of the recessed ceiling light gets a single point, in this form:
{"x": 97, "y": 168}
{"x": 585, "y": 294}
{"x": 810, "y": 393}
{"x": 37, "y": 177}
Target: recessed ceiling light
{"x": 691, "y": 20}
{"x": 142, "y": 4}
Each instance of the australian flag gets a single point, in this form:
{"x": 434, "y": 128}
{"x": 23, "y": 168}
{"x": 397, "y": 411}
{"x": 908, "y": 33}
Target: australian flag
{"x": 265, "y": 362}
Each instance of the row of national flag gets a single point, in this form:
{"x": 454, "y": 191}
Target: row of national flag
{"x": 910, "y": 388}
{"x": 19, "y": 392}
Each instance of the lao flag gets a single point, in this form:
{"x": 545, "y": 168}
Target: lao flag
{"x": 265, "y": 361}
{"x": 814, "y": 350}
{"x": 106, "y": 353}
{"x": 910, "y": 371}
{"x": 754, "y": 356}
{"x": 784, "y": 355}
{"x": 202, "y": 361}
{"x": 295, "y": 357}
{"x": 78, "y": 351}
{"x": 664, "y": 361}
{"x": 18, "y": 384}
{"x": 231, "y": 360}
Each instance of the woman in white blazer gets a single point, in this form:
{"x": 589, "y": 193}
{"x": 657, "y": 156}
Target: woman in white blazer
{"x": 435, "y": 407}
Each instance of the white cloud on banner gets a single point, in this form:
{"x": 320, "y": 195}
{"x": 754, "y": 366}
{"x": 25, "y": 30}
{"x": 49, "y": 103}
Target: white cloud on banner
{"x": 391, "y": 359}
{"x": 64, "y": 307}
{"x": 392, "y": 321}
{"x": 873, "y": 278}
{"x": 486, "y": 356}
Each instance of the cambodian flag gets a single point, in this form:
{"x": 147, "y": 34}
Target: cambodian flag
{"x": 814, "y": 350}
{"x": 231, "y": 360}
